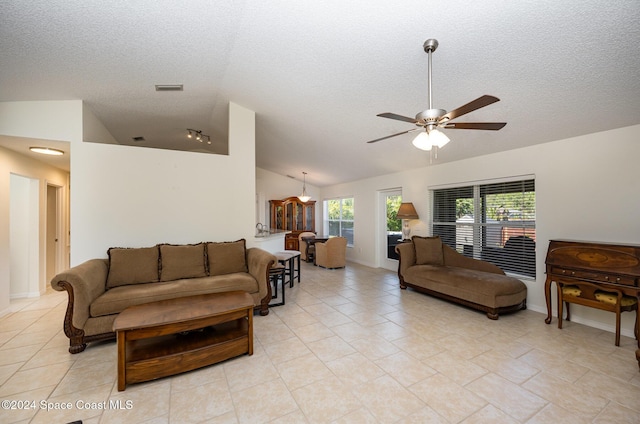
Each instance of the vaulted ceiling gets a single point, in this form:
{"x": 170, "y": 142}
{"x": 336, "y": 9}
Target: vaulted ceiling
{"x": 317, "y": 73}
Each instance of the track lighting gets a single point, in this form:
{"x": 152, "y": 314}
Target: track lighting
{"x": 198, "y": 135}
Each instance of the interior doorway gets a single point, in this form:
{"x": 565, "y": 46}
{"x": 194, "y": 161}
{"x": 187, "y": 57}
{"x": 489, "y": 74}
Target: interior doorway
{"x": 390, "y": 228}
{"x": 24, "y": 235}
{"x": 53, "y": 251}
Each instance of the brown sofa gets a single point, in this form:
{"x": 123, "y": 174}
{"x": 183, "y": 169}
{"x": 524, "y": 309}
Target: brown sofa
{"x": 99, "y": 289}
{"x": 429, "y": 266}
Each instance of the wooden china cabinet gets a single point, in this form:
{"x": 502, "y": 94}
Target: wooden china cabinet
{"x": 293, "y": 215}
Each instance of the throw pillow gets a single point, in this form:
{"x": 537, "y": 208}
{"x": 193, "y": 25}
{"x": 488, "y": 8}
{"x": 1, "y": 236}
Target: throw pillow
{"x": 227, "y": 257}
{"x": 132, "y": 266}
{"x": 182, "y": 261}
{"x": 428, "y": 250}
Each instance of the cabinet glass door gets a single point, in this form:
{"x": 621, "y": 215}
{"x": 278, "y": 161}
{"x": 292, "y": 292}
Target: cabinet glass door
{"x": 279, "y": 221}
{"x": 308, "y": 219}
{"x": 299, "y": 216}
{"x": 289, "y": 211}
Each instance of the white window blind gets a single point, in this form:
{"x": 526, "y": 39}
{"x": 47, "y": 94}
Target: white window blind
{"x": 495, "y": 222}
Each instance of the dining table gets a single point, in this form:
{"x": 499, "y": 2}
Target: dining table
{"x": 311, "y": 241}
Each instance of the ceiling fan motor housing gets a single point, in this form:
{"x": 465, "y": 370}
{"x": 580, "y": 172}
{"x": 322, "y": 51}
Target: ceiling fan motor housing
{"x": 429, "y": 116}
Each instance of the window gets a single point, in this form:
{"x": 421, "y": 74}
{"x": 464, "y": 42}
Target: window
{"x": 493, "y": 222}
{"x": 339, "y": 218}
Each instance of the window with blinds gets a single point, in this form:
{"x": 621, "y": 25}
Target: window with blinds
{"x": 494, "y": 222}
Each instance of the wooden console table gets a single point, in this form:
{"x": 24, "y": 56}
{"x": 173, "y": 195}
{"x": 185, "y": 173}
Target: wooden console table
{"x": 172, "y": 336}
{"x": 609, "y": 266}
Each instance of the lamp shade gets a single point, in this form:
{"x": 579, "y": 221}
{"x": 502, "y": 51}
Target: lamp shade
{"x": 407, "y": 211}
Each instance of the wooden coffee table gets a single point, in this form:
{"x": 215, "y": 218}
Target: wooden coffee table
{"x": 172, "y": 336}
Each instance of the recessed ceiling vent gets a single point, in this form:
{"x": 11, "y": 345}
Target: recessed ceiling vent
{"x": 169, "y": 87}
{"x": 138, "y": 139}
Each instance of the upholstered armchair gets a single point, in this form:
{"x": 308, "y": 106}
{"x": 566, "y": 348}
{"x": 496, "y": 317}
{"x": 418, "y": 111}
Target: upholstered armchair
{"x": 332, "y": 253}
{"x": 302, "y": 246}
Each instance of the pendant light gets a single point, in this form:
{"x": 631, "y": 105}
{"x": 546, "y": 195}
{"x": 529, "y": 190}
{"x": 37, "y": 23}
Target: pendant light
{"x": 304, "y": 197}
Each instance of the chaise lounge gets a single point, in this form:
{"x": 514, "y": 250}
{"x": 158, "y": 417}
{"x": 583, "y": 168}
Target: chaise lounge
{"x": 429, "y": 266}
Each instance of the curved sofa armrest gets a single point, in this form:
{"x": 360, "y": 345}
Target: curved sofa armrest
{"x": 84, "y": 283}
{"x": 259, "y": 262}
{"x": 453, "y": 258}
{"x": 407, "y": 254}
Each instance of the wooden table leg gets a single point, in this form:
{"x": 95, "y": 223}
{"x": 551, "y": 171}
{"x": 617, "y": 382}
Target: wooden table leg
{"x": 250, "y": 324}
{"x": 547, "y": 297}
{"x": 122, "y": 360}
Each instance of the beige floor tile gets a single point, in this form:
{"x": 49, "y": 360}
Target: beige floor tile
{"x": 578, "y": 400}
{"x": 561, "y": 367}
{"x": 313, "y": 332}
{"x": 139, "y": 402}
{"x": 555, "y": 414}
{"x": 387, "y": 400}
{"x": 612, "y": 388}
{"x": 248, "y": 371}
{"x": 80, "y": 405}
{"x": 27, "y": 405}
{"x": 200, "y": 403}
{"x": 448, "y": 399}
{"x": 355, "y": 369}
{"x": 326, "y": 400}
{"x": 36, "y": 378}
{"x": 331, "y": 348}
{"x": 614, "y": 413}
{"x": 263, "y": 402}
{"x": 490, "y": 414}
{"x": 303, "y": 371}
{"x": 457, "y": 368}
{"x": 374, "y": 347}
{"x": 510, "y": 398}
{"x": 286, "y": 350}
{"x": 425, "y": 415}
{"x": 405, "y": 368}
{"x": 514, "y": 370}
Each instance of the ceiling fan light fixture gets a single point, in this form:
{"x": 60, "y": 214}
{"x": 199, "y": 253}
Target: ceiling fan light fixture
{"x": 422, "y": 141}
{"x": 438, "y": 138}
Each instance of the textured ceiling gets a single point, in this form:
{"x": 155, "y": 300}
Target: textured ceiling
{"x": 317, "y": 73}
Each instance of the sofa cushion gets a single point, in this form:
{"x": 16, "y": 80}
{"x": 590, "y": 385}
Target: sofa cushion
{"x": 118, "y": 299}
{"x": 182, "y": 261}
{"x": 484, "y": 288}
{"x": 132, "y": 266}
{"x": 428, "y": 250}
{"x": 227, "y": 257}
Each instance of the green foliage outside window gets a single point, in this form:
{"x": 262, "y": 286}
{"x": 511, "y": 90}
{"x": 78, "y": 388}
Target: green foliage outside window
{"x": 393, "y": 204}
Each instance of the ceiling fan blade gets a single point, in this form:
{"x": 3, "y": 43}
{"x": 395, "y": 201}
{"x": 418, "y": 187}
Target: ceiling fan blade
{"x": 397, "y": 117}
{"x": 482, "y": 101}
{"x": 494, "y": 126}
{"x": 393, "y": 135}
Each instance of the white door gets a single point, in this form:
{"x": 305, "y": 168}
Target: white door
{"x": 390, "y": 229}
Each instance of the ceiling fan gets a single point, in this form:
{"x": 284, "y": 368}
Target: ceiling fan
{"x": 432, "y": 119}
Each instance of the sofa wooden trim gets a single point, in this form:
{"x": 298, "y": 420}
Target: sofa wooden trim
{"x": 86, "y": 282}
{"x": 406, "y": 252}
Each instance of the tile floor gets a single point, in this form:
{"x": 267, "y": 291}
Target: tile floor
{"x": 348, "y": 347}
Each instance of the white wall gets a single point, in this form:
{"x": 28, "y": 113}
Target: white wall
{"x": 272, "y": 186}
{"x": 587, "y": 188}
{"x": 132, "y": 196}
